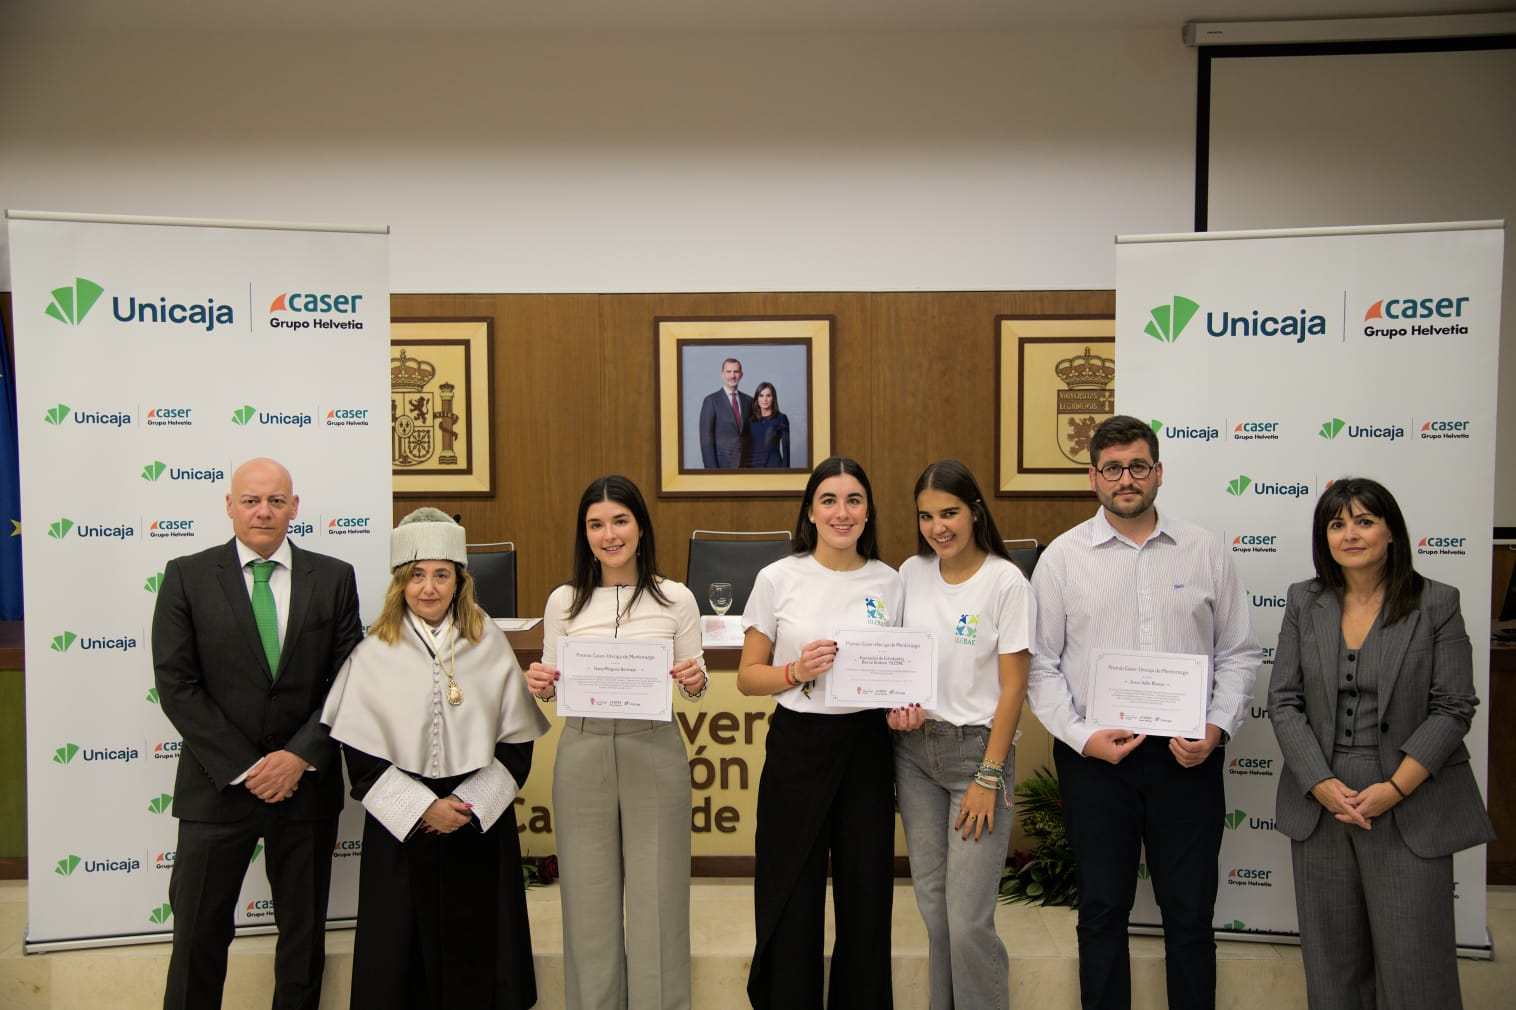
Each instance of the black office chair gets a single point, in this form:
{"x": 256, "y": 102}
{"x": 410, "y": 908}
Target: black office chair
{"x": 1025, "y": 553}
{"x": 493, "y": 567}
{"x": 732, "y": 556}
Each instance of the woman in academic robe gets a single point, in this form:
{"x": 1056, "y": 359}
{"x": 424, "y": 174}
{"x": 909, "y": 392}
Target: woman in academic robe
{"x": 436, "y": 725}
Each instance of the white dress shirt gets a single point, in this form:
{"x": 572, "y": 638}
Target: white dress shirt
{"x": 1176, "y": 592}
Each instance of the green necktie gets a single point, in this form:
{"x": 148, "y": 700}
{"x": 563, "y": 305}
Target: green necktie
{"x": 265, "y": 614}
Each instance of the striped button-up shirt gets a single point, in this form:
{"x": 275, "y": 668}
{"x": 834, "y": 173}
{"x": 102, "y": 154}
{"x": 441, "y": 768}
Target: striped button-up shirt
{"x": 1176, "y": 592}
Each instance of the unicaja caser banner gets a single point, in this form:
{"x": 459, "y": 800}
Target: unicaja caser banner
{"x": 153, "y": 357}
{"x": 1273, "y": 363}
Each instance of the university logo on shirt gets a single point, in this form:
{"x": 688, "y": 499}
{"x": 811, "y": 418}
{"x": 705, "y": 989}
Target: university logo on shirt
{"x": 875, "y": 611}
{"x": 966, "y": 631}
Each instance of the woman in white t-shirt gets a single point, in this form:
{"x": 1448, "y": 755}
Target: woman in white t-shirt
{"x": 621, "y": 787}
{"x": 953, "y": 775}
{"x": 826, "y": 792}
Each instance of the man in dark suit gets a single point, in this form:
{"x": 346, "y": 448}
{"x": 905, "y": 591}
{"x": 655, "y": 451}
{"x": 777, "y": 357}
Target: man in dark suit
{"x": 247, "y": 637}
{"x": 724, "y": 421}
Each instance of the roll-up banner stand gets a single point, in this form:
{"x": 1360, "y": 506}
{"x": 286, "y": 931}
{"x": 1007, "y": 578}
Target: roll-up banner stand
{"x": 152, "y": 357}
{"x": 1272, "y": 363}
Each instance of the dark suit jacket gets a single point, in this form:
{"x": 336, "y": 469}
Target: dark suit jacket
{"x": 723, "y": 442}
{"x": 214, "y": 685}
{"x": 1426, "y": 701}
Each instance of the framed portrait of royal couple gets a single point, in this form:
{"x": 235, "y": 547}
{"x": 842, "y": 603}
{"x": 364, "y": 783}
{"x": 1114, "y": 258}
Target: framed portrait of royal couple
{"x": 744, "y": 404}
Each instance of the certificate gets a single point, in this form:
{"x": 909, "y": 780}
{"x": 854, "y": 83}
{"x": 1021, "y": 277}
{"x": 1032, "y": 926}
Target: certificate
{"x": 616, "y": 678}
{"x": 1162, "y": 693}
{"x": 883, "y": 668}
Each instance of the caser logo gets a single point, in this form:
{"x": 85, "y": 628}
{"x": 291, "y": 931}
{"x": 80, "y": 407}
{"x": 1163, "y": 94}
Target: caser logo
{"x": 171, "y": 528}
{"x": 164, "y": 417}
{"x": 1406, "y": 311}
{"x": 1445, "y": 428}
{"x": 1167, "y": 322}
{"x": 1443, "y": 545}
{"x": 1256, "y": 431}
{"x": 347, "y": 417}
{"x": 1251, "y": 766}
{"x": 317, "y": 306}
{"x": 168, "y": 750}
{"x": 342, "y": 525}
{"x": 1255, "y": 543}
{"x": 262, "y": 908}
{"x": 1250, "y": 876}
{"x": 71, "y": 304}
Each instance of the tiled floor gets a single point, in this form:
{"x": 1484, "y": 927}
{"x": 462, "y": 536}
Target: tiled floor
{"x": 1041, "y": 942}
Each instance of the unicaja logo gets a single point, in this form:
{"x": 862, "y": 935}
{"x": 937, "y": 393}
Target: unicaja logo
{"x": 160, "y": 915}
{"x": 59, "y": 529}
{"x": 243, "y": 414}
{"x": 1168, "y": 321}
{"x": 1331, "y": 429}
{"x": 67, "y": 865}
{"x": 63, "y": 641}
{"x": 71, "y": 304}
{"x": 154, "y": 470}
{"x": 1235, "y": 819}
{"x": 160, "y": 803}
{"x": 153, "y": 582}
{"x": 55, "y": 415}
{"x": 152, "y": 696}
{"x": 63, "y": 755}
{"x": 1238, "y": 485}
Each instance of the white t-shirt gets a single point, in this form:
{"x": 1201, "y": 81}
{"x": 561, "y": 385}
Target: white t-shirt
{"x": 973, "y": 623}
{"x": 678, "y": 621}
{"x": 797, "y": 600}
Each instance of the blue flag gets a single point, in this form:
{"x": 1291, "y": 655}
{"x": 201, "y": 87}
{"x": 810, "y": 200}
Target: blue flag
{"x": 10, "y": 490}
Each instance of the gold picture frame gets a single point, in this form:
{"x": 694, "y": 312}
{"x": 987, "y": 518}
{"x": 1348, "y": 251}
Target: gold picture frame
{"x": 442, "y": 408}
{"x": 1056, "y": 379}
{"x": 792, "y": 354}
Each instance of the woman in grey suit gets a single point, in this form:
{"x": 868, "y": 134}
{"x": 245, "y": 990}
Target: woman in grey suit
{"x": 1371, "y": 695}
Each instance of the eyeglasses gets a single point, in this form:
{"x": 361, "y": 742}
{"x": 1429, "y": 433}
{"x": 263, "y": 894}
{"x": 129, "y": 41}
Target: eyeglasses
{"x": 1138, "y": 469}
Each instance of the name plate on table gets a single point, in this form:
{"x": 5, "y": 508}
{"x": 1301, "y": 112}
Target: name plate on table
{"x": 1162, "y": 693}
{"x": 616, "y": 678}
{"x": 883, "y": 668}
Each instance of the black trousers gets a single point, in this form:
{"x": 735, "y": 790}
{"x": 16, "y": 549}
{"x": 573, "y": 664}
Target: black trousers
{"x": 1177, "y": 814}
{"x": 209, "y": 865}
{"x": 826, "y": 795}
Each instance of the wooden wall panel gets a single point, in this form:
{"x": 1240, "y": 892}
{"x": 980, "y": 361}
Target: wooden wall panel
{"x": 550, "y": 416}
{"x": 576, "y": 397}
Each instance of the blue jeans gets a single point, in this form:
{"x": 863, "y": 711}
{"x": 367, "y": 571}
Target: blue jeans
{"x": 957, "y": 882}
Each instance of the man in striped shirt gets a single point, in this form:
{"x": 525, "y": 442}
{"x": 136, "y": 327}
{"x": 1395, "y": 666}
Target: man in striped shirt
{"x": 1129, "y": 578}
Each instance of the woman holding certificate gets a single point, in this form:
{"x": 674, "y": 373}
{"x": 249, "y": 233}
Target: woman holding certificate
{"x": 621, "y": 786}
{"x": 1371, "y": 695}
{"x": 953, "y": 775}
{"x": 436, "y": 725}
{"x": 826, "y": 792}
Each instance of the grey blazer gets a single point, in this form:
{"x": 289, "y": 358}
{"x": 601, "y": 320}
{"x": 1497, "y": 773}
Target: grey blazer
{"x": 1426, "y": 701}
